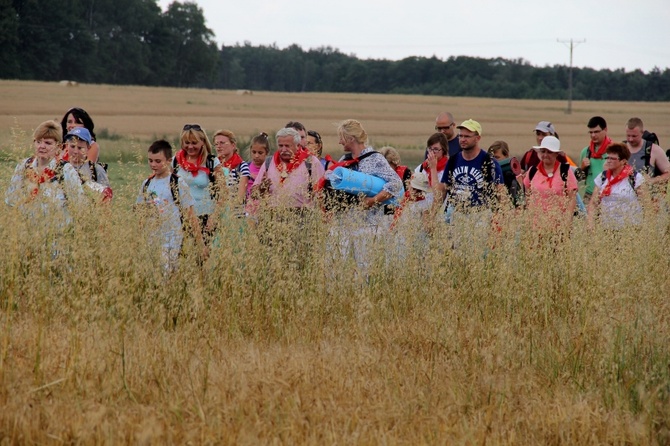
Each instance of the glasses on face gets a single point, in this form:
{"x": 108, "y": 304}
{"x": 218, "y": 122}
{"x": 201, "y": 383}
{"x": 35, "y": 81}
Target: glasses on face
{"x": 192, "y": 127}
{"x": 612, "y": 158}
{"x": 440, "y": 128}
{"x": 434, "y": 149}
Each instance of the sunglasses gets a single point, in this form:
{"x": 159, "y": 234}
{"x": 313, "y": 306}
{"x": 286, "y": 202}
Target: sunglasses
{"x": 443, "y": 128}
{"x": 192, "y": 127}
{"x": 314, "y": 134}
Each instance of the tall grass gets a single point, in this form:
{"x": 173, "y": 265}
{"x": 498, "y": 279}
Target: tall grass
{"x": 505, "y": 340}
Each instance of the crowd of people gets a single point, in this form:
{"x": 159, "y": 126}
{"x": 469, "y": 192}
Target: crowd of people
{"x": 365, "y": 194}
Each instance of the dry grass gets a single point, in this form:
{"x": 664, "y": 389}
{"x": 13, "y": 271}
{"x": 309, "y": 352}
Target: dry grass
{"x": 143, "y": 113}
{"x": 521, "y": 344}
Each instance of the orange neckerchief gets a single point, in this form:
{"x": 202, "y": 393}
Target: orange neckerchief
{"x": 607, "y": 190}
{"x": 286, "y": 168}
{"x": 601, "y": 150}
{"x": 233, "y": 162}
{"x": 190, "y": 167}
{"x": 441, "y": 165}
{"x": 543, "y": 171}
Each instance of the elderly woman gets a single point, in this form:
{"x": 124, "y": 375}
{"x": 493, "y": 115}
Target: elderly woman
{"x": 202, "y": 171}
{"x": 616, "y": 191}
{"x": 551, "y": 186}
{"x": 44, "y": 180}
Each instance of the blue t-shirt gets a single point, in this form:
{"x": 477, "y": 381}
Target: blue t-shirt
{"x": 467, "y": 181}
{"x": 454, "y": 147}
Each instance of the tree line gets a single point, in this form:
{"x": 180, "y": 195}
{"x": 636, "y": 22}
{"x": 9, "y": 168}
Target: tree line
{"x": 134, "y": 42}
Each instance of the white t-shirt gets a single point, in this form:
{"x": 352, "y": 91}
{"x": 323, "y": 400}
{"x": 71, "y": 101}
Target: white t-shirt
{"x": 622, "y": 207}
{"x": 159, "y": 195}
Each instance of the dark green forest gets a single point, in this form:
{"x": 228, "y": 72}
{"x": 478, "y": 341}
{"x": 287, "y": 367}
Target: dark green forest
{"x": 134, "y": 42}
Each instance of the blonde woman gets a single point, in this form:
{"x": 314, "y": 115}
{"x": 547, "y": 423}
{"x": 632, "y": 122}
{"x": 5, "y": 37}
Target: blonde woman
{"x": 202, "y": 171}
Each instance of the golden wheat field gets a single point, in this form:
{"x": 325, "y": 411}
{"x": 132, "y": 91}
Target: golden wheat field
{"x": 521, "y": 336}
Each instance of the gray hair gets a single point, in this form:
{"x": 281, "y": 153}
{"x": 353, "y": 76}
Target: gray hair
{"x": 288, "y": 131}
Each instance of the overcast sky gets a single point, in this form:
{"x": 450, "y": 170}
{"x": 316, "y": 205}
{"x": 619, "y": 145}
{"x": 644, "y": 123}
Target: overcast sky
{"x": 617, "y": 33}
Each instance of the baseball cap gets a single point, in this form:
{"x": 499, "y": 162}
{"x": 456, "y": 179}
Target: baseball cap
{"x": 81, "y": 133}
{"x": 420, "y": 181}
{"x": 551, "y": 143}
{"x": 545, "y": 127}
{"x": 471, "y": 125}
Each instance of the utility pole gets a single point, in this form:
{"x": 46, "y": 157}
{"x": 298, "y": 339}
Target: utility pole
{"x": 572, "y": 45}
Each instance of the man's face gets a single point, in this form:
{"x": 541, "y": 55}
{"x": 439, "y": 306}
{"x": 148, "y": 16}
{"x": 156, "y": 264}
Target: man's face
{"x": 634, "y": 136}
{"x": 539, "y": 136}
{"x": 597, "y": 134}
{"x": 445, "y": 126}
{"x": 468, "y": 139}
{"x": 77, "y": 150}
{"x": 286, "y": 147}
{"x": 303, "y": 138}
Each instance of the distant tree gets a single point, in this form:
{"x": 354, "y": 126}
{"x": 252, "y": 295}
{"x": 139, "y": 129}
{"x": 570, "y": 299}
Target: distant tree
{"x": 9, "y": 40}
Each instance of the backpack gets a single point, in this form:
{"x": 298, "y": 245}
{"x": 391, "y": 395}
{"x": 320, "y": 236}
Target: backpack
{"x": 209, "y": 164}
{"x": 564, "y": 169}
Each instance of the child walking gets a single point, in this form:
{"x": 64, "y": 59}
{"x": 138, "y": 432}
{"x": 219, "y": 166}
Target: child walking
{"x": 168, "y": 199}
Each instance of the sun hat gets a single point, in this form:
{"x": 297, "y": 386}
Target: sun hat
{"x": 81, "y": 133}
{"x": 420, "y": 181}
{"x": 471, "y": 125}
{"x": 551, "y": 143}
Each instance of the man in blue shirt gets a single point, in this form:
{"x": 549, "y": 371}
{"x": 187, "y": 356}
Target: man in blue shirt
{"x": 472, "y": 179}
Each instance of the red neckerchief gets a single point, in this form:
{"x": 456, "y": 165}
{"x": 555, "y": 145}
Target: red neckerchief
{"x": 233, "y": 162}
{"x": 601, "y": 150}
{"x": 332, "y": 165}
{"x": 441, "y": 165}
{"x": 400, "y": 170}
{"x": 46, "y": 176}
{"x": 286, "y": 168}
{"x": 407, "y": 198}
{"x": 543, "y": 171}
{"x": 190, "y": 167}
{"x": 607, "y": 190}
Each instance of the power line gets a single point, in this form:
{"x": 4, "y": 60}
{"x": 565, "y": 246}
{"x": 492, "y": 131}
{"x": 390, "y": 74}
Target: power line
{"x": 572, "y": 46}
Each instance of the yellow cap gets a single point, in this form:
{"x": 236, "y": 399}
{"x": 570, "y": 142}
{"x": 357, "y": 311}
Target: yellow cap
{"x": 471, "y": 125}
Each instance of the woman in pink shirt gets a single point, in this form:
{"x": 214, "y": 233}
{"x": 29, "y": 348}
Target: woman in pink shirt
{"x": 551, "y": 186}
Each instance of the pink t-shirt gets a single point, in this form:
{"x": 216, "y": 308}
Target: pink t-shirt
{"x": 548, "y": 193}
{"x": 294, "y": 191}
{"x": 253, "y": 170}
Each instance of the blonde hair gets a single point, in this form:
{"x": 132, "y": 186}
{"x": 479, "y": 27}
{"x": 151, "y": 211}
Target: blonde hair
{"x": 193, "y": 133}
{"x": 352, "y": 129}
{"x": 391, "y": 155}
{"x": 49, "y": 129}
{"x": 228, "y": 134}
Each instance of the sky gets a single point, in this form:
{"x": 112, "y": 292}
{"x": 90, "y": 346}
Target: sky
{"x": 610, "y": 34}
